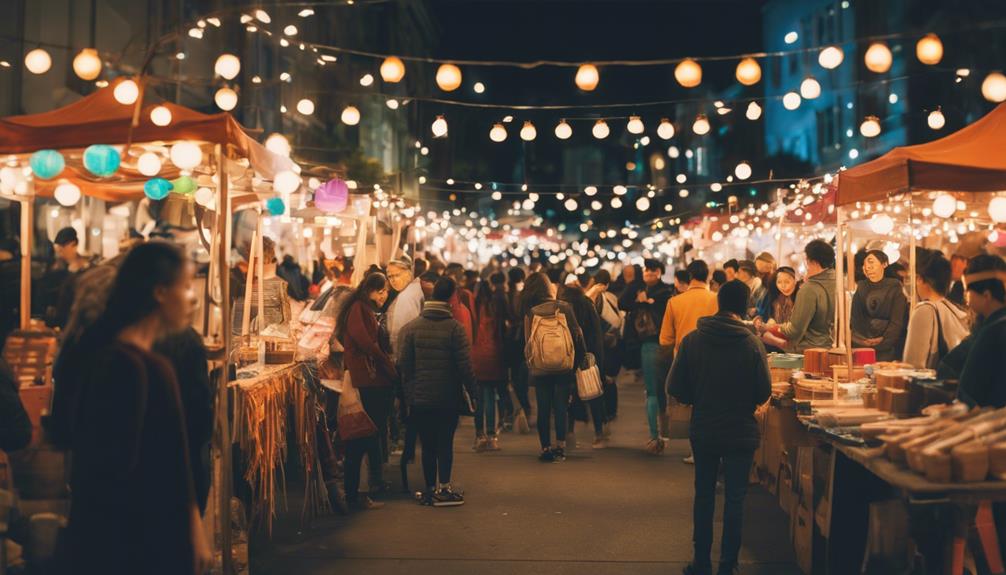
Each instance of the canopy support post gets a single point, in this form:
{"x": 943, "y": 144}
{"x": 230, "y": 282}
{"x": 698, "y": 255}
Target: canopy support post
{"x": 224, "y": 488}
{"x": 27, "y": 239}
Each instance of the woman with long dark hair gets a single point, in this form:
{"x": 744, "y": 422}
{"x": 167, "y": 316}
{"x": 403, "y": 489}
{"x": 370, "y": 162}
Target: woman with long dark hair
{"x": 593, "y": 337}
{"x": 370, "y": 367}
{"x": 131, "y": 478}
{"x": 780, "y": 296}
{"x": 552, "y": 390}
{"x": 490, "y": 323}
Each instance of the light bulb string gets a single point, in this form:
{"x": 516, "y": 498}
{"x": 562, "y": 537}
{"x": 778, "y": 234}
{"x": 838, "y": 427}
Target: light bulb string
{"x": 577, "y": 189}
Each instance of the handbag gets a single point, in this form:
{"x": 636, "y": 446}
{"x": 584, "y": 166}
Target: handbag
{"x": 352, "y": 421}
{"x": 644, "y": 324}
{"x": 588, "y": 380}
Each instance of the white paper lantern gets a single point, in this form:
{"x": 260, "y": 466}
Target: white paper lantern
{"x": 439, "y": 127}
{"x": 186, "y": 155}
{"x": 149, "y": 164}
{"x": 635, "y": 125}
{"x": 305, "y": 107}
{"x": 498, "y": 133}
{"x": 227, "y": 66}
{"x": 528, "y": 132}
{"x": 810, "y": 88}
{"x": 831, "y": 57}
{"x": 278, "y": 144}
{"x": 38, "y": 61}
{"x": 392, "y": 70}
{"x": 666, "y": 129}
{"x": 600, "y": 130}
{"x": 870, "y": 128}
{"x": 286, "y": 182}
{"x": 643, "y": 203}
{"x": 350, "y": 116}
{"x": 929, "y": 49}
{"x": 997, "y": 209}
{"x": 67, "y": 194}
{"x": 160, "y": 116}
{"x": 688, "y": 73}
{"x": 753, "y": 112}
{"x": 204, "y": 197}
{"x": 563, "y": 130}
{"x": 743, "y": 171}
{"x": 701, "y": 125}
{"x": 587, "y": 77}
{"x": 448, "y": 77}
{"x": 944, "y": 205}
{"x": 87, "y": 64}
{"x": 748, "y": 72}
{"x": 791, "y": 101}
{"x": 126, "y": 92}
{"x": 878, "y": 58}
{"x": 226, "y": 99}
{"x": 994, "y": 87}
{"x": 881, "y": 224}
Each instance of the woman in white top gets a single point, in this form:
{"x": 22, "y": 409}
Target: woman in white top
{"x": 937, "y": 325}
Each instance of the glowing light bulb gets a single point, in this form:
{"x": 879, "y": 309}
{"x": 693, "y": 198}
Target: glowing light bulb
{"x": 87, "y": 64}
{"x": 227, "y": 66}
{"x": 748, "y": 72}
{"x": 635, "y": 125}
{"x": 753, "y": 112}
{"x": 392, "y": 70}
{"x": 528, "y": 132}
{"x": 160, "y": 116}
{"x": 448, "y": 77}
{"x": 688, "y": 73}
{"x": 701, "y": 125}
{"x": 643, "y": 203}
{"x": 666, "y": 129}
{"x": 791, "y": 101}
{"x": 929, "y": 49}
{"x": 944, "y": 205}
{"x": 587, "y": 77}
{"x": 498, "y": 133}
{"x": 149, "y": 164}
{"x": 831, "y": 57}
{"x": 305, "y": 107}
{"x": 563, "y": 130}
{"x": 743, "y": 171}
{"x": 38, "y": 61}
{"x": 278, "y": 144}
{"x": 810, "y": 88}
{"x": 226, "y": 99}
{"x": 878, "y": 58}
{"x": 126, "y": 92}
{"x": 994, "y": 87}
{"x": 439, "y": 127}
{"x": 600, "y": 130}
{"x": 350, "y": 116}
{"x": 870, "y": 128}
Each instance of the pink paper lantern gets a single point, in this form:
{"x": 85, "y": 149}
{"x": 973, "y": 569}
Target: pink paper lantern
{"x": 332, "y": 196}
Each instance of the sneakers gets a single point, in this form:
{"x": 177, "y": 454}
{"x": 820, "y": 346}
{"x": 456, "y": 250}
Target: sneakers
{"x": 546, "y": 455}
{"x": 445, "y": 497}
{"x": 493, "y": 443}
{"x": 364, "y": 503}
{"x": 599, "y": 442}
{"x": 558, "y": 454}
{"x": 481, "y": 443}
{"x": 690, "y": 460}
{"x": 424, "y": 498}
{"x": 655, "y": 447}
{"x": 521, "y": 424}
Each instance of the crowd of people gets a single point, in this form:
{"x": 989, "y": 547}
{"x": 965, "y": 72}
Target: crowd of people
{"x": 425, "y": 342}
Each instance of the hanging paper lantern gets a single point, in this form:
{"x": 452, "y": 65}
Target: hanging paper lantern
{"x": 587, "y": 77}
{"x": 944, "y": 205}
{"x": 183, "y": 185}
{"x": 67, "y": 194}
{"x": 275, "y": 206}
{"x": 498, "y": 133}
{"x": 748, "y": 72}
{"x": 810, "y": 88}
{"x": 332, "y": 197}
{"x": 157, "y": 188}
{"x": 831, "y": 57}
{"x": 448, "y": 77}
{"x": 38, "y": 61}
{"x": 350, "y": 116}
{"x": 666, "y": 129}
{"x": 126, "y": 92}
{"x": 101, "y": 160}
{"x": 563, "y": 130}
{"x": 47, "y": 164}
{"x": 149, "y": 164}
{"x": 160, "y": 116}
{"x": 994, "y": 87}
{"x": 186, "y": 155}
{"x": 87, "y": 64}
{"x": 635, "y": 125}
{"x": 227, "y": 66}
{"x": 278, "y": 144}
{"x": 878, "y": 58}
{"x": 936, "y": 120}
{"x": 204, "y": 197}
{"x": 286, "y": 182}
{"x": 226, "y": 99}
{"x": 392, "y": 69}
{"x": 929, "y": 49}
{"x": 997, "y": 209}
{"x": 882, "y": 224}
{"x": 688, "y": 73}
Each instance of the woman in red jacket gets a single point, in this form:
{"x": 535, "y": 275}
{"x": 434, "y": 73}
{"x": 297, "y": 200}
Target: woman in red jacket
{"x": 373, "y": 374}
{"x": 487, "y": 354}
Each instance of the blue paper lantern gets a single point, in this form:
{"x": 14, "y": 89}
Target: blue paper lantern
{"x": 275, "y": 206}
{"x": 157, "y": 188}
{"x": 47, "y": 164}
{"x": 101, "y": 160}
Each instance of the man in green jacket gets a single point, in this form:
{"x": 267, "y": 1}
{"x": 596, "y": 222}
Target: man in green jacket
{"x": 814, "y": 310}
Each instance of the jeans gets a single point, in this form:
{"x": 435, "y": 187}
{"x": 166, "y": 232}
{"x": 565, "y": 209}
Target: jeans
{"x": 485, "y": 408}
{"x": 736, "y": 468}
{"x": 653, "y": 379}
{"x": 552, "y": 393}
{"x": 377, "y": 403}
{"x": 436, "y": 427}
{"x": 518, "y": 379}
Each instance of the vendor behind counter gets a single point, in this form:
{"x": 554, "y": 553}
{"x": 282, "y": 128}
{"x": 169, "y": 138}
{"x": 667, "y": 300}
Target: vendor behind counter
{"x": 275, "y": 297}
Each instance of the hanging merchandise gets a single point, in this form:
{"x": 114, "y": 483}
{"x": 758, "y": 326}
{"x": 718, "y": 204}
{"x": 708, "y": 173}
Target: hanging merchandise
{"x": 332, "y": 197}
{"x": 47, "y": 164}
{"x": 184, "y": 185}
{"x": 101, "y": 160}
{"x": 157, "y": 188}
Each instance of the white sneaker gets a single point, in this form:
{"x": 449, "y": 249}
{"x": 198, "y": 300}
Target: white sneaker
{"x": 690, "y": 460}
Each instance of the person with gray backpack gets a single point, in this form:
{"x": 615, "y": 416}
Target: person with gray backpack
{"x": 554, "y": 348}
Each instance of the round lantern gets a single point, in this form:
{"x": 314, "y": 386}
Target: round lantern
{"x": 332, "y": 196}
{"x": 810, "y": 88}
{"x": 748, "y": 72}
{"x": 160, "y": 116}
{"x": 47, "y": 164}
{"x": 448, "y": 77}
{"x": 186, "y": 155}
{"x": 635, "y": 125}
{"x": 278, "y": 144}
{"x": 743, "y": 171}
{"x": 753, "y": 112}
{"x": 204, "y": 197}
{"x": 929, "y": 49}
{"x": 276, "y": 207}
{"x": 878, "y": 58}
{"x": 149, "y": 164}
{"x": 227, "y": 66}
{"x": 587, "y": 77}
{"x": 38, "y": 61}
{"x": 286, "y": 182}
{"x": 528, "y": 132}
{"x": 936, "y": 120}
{"x": 126, "y": 92}
{"x": 101, "y": 160}
{"x": 498, "y": 133}
{"x": 87, "y": 64}
{"x": 226, "y": 99}
{"x": 666, "y": 129}
{"x": 600, "y": 130}
{"x": 392, "y": 69}
{"x": 350, "y": 116}
{"x": 563, "y": 130}
{"x": 791, "y": 101}
{"x": 831, "y": 57}
{"x": 997, "y": 209}
{"x": 157, "y": 188}
{"x": 67, "y": 194}
{"x": 994, "y": 87}
{"x": 688, "y": 73}
{"x": 881, "y": 224}
{"x": 944, "y": 205}
{"x": 870, "y": 128}
{"x": 183, "y": 185}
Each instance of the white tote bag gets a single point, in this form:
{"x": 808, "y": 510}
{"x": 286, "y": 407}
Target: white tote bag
{"x": 588, "y": 380}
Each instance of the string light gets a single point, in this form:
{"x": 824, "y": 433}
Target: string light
{"x": 587, "y": 77}
{"x": 305, "y": 107}
{"x": 994, "y": 87}
{"x": 791, "y": 101}
{"x": 367, "y": 80}
{"x": 126, "y": 92}
{"x": 743, "y": 171}
{"x": 666, "y": 129}
{"x": 149, "y": 164}
{"x": 479, "y": 87}
{"x": 600, "y": 130}
{"x": 590, "y": 191}
{"x": 528, "y": 133}
{"x": 635, "y": 125}
{"x": 186, "y": 155}
{"x": 753, "y": 112}
{"x": 392, "y": 69}
{"x": 810, "y": 88}
{"x": 439, "y": 127}
{"x": 160, "y": 116}
{"x": 997, "y": 209}
{"x": 226, "y": 99}
{"x": 571, "y": 204}
{"x": 643, "y": 203}
{"x": 227, "y": 66}
{"x": 688, "y": 73}
{"x": 87, "y": 64}
{"x": 701, "y": 125}
{"x": 944, "y": 205}
{"x": 448, "y": 77}
{"x": 38, "y": 61}
{"x": 929, "y": 49}
{"x": 831, "y": 57}
{"x": 878, "y": 58}
{"x": 870, "y": 128}
{"x": 498, "y": 133}
{"x": 748, "y": 72}
{"x": 936, "y": 120}
{"x": 563, "y": 130}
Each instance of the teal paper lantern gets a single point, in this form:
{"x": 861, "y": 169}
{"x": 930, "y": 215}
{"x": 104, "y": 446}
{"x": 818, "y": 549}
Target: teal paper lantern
{"x": 47, "y": 164}
{"x": 275, "y": 206}
{"x": 157, "y": 188}
{"x": 184, "y": 185}
{"x": 101, "y": 160}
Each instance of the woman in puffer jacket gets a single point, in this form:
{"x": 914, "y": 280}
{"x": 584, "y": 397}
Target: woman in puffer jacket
{"x": 590, "y": 322}
{"x": 490, "y": 323}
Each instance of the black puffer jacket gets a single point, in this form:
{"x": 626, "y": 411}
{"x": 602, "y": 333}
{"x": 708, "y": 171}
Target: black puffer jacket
{"x": 724, "y": 392}
{"x": 435, "y": 359}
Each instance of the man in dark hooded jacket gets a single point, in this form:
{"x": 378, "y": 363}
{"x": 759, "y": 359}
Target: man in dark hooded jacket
{"x": 724, "y": 396}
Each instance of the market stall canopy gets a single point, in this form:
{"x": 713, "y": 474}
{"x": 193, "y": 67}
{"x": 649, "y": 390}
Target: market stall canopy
{"x": 969, "y": 160}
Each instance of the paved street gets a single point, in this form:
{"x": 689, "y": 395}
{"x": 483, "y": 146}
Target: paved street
{"x": 612, "y": 511}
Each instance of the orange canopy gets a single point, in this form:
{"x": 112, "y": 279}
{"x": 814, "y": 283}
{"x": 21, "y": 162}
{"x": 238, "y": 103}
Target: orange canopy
{"x": 969, "y": 160}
